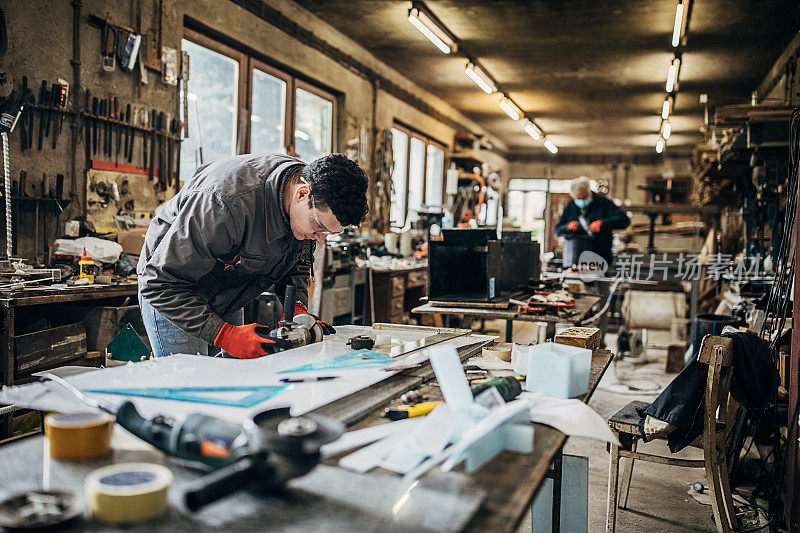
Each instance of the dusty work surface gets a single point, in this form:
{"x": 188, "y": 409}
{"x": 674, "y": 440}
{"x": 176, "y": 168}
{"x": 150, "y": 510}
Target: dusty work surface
{"x": 185, "y": 370}
{"x": 512, "y": 479}
{"x": 506, "y": 484}
{"x": 49, "y": 295}
{"x": 582, "y": 305}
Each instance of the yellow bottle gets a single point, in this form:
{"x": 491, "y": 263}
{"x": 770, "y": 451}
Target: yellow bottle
{"x": 86, "y": 267}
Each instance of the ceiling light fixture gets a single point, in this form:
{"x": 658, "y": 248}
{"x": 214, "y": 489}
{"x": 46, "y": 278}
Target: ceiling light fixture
{"x": 666, "y": 107}
{"x": 672, "y": 74}
{"x": 429, "y": 27}
{"x": 533, "y": 131}
{"x": 677, "y": 31}
{"x": 660, "y": 146}
{"x": 550, "y": 146}
{"x": 480, "y": 78}
{"x": 666, "y": 129}
{"x": 511, "y": 109}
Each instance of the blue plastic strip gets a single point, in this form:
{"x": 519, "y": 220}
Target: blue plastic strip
{"x": 190, "y": 394}
{"x": 357, "y": 359}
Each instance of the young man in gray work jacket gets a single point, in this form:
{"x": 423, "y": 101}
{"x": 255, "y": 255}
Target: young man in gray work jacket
{"x": 242, "y": 225}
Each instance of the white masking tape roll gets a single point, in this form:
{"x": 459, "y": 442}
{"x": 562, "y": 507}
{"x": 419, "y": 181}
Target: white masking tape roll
{"x": 128, "y": 492}
{"x": 499, "y": 352}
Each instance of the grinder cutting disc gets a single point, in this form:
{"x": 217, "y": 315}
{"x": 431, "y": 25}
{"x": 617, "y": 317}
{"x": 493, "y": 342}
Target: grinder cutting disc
{"x": 283, "y": 434}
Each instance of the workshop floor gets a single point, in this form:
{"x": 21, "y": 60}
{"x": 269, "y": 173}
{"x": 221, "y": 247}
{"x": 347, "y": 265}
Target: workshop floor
{"x": 658, "y": 499}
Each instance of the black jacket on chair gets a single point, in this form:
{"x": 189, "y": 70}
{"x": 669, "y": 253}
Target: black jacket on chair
{"x": 754, "y": 385}
{"x": 602, "y": 209}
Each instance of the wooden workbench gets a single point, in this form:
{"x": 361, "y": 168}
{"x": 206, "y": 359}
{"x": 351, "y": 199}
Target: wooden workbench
{"x": 510, "y": 480}
{"x": 11, "y": 301}
{"x": 583, "y": 304}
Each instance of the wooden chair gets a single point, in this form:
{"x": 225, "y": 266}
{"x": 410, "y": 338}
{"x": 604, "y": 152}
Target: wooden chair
{"x": 716, "y": 352}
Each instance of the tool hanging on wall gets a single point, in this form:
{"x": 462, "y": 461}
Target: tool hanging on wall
{"x": 108, "y": 48}
{"x": 43, "y": 97}
{"x": 55, "y": 101}
{"x": 24, "y": 125}
{"x": 95, "y": 112}
{"x": 127, "y": 119}
{"x": 87, "y": 131}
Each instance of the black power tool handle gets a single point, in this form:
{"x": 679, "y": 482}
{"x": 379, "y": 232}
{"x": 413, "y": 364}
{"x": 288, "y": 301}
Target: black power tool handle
{"x": 221, "y": 483}
{"x": 289, "y": 303}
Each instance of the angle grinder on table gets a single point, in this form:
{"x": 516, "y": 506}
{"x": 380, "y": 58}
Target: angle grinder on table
{"x": 262, "y": 454}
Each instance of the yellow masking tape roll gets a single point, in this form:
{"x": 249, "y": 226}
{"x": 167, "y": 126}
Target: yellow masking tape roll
{"x": 500, "y": 353}
{"x": 78, "y": 435}
{"x": 128, "y": 492}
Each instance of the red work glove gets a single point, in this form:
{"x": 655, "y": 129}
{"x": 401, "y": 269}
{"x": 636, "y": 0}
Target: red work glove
{"x": 248, "y": 342}
{"x": 300, "y": 309}
{"x": 596, "y": 225}
{"x": 573, "y": 226}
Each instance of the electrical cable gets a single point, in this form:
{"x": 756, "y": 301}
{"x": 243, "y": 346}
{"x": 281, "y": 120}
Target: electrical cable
{"x": 602, "y": 311}
{"x": 777, "y": 305}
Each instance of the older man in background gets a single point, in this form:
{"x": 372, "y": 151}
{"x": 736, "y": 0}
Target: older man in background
{"x": 591, "y": 217}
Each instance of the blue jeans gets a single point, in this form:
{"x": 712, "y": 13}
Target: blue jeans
{"x": 166, "y": 338}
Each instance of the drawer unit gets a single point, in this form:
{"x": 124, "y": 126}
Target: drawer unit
{"x": 417, "y": 278}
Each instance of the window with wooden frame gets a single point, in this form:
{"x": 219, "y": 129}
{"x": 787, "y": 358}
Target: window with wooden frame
{"x": 417, "y": 176}
{"x": 239, "y": 104}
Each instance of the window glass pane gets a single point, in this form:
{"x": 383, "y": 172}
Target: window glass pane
{"x": 213, "y": 99}
{"x": 399, "y": 173}
{"x": 525, "y": 184}
{"x": 560, "y": 186}
{"x": 536, "y": 203}
{"x": 267, "y": 121}
{"x": 516, "y": 205}
{"x": 416, "y": 175}
{"x": 313, "y": 126}
{"x": 434, "y": 175}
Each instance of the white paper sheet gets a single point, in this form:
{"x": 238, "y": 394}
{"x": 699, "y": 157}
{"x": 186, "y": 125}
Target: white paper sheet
{"x": 202, "y": 371}
{"x": 571, "y": 417}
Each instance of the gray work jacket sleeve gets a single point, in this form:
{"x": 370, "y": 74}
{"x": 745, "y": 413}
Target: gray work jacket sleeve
{"x": 202, "y": 231}
{"x": 300, "y": 275}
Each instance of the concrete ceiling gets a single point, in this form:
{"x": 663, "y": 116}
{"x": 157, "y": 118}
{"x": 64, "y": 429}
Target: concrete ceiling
{"x": 591, "y": 73}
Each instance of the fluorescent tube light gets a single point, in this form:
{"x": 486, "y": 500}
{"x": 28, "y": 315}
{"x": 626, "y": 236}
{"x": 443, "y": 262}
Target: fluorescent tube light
{"x": 672, "y": 74}
{"x": 666, "y": 130}
{"x": 480, "y": 78}
{"x": 676, "y": 32}
{"x": 533, "y": 131}
{"x": 666, "y": 108}
{"x": 550, "y": 146}
{"x": 511, "y": 110}
{"x": 660, "y": 146}
{"x": 430, "y": 29}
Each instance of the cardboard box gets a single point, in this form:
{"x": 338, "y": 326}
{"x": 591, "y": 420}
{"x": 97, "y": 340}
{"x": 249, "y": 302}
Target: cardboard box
{"x": 132, "y": 240}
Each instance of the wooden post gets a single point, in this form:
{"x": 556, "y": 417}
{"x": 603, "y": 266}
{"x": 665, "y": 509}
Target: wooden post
{"x": 792, "y": 480}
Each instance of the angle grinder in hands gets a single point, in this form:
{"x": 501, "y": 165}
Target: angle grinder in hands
{"x": 300, "y": 329}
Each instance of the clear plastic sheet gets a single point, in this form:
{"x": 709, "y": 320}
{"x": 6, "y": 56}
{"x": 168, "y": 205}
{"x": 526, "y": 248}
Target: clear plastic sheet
{"x": 201, "y": 371}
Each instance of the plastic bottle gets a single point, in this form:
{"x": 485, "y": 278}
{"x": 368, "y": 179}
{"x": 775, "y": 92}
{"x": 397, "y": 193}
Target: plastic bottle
{"x": 86, "y": 267}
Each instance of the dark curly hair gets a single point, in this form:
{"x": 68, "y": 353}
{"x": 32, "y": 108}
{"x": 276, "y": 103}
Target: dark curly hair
{"x": 340, "y": 184}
